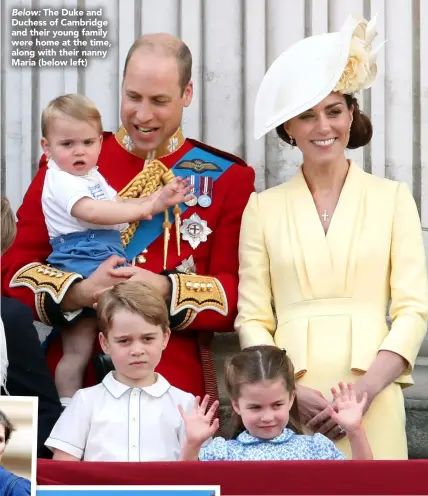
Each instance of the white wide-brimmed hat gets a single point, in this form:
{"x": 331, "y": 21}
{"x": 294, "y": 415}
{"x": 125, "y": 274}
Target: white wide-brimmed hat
{"x": 308, "y": 71}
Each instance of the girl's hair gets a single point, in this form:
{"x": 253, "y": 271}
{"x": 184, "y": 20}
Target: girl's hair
{"x": 8, "y": 426}
{"x": 8, "y": 225}
{"x": 361, "y": 131}
{"x": 256, "y": 364}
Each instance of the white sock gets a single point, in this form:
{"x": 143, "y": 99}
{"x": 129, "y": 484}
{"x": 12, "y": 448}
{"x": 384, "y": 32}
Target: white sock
{"x": 65, "y": 401}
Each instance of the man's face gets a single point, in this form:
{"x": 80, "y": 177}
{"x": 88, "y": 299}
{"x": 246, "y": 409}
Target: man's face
{"x": 152, "y": 99}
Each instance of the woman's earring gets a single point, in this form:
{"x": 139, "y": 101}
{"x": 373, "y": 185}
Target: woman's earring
{"x": 291, "y": 141}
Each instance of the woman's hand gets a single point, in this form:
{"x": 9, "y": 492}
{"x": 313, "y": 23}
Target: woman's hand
{"x": 311, "y": 402}
{"x": 198, "y": 422}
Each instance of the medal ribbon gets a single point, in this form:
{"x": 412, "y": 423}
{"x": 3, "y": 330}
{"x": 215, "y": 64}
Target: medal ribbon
{"x": 149, "y": 231}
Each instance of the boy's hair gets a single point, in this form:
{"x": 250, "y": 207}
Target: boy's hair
{"x": 136, "y": 297}
{"x": 257, "y": 364}
{"x": 73, "y": 105}
{"x": 8, "y": 225}
{"x": 8, "y": 426}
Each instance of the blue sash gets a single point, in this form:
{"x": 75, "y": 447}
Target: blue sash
{"x": 148, "y": 231}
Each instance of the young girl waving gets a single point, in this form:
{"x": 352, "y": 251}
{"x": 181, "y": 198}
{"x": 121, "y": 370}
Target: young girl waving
{"x": 260, "y": 384}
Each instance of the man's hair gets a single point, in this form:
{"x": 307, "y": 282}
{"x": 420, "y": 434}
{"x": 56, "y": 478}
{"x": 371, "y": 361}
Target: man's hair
{"x": 135, "y": 297}
{"x": 73, "y": 105}
{"x": 8, "y": 426}
{"x": 169, "y": 46}
{"x": 8, "y": 225}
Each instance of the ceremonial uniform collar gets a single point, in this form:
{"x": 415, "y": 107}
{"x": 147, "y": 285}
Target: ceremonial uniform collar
{"x": 169, "y": 146}
{"x": 246, "y": 438}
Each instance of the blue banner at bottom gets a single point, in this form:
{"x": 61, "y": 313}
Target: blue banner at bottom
{"x": 128, "y": 491}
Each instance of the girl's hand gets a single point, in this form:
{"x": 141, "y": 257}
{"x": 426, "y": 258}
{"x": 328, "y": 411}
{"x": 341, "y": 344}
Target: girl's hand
{"x": 198, "y": 422}
{"x": 349, "y": 411}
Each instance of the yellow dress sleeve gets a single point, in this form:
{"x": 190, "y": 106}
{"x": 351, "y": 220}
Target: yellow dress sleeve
{"x": 408, "y": 281}
{"x": 255, "y": 322}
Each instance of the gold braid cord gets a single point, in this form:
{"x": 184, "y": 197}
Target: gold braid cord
{"x": 153, "y": 177}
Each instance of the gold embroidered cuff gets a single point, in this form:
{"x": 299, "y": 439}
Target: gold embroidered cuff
{"x": 190, "y": 291}
{"x": 40, "y": 308}
{"x": 188, "y": 319}
{"x": 44, "y": 279}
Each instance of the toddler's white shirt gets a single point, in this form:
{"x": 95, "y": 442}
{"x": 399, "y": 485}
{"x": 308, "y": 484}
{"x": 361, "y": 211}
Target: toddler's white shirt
{"x": 61, "y": 191}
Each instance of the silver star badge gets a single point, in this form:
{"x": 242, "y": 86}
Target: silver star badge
{"x": 187, "y": 266}
{"x": 195, "y": 230}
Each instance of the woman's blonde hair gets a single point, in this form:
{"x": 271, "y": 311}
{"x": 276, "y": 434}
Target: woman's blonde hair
{"x": 8, "y": 225}
{"x": 73, "y": 105}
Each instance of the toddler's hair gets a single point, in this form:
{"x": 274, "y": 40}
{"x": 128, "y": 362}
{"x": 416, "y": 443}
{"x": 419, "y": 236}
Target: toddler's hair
{"x": 136, "y": 297}
{"x": 73, "y": 105}
{"x": 8, "y": 426}
{"x": 257, "y": 364}
{"x": 8, "y": 225}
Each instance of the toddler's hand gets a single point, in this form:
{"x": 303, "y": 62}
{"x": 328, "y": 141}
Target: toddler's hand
{"x": 350, "y": 411}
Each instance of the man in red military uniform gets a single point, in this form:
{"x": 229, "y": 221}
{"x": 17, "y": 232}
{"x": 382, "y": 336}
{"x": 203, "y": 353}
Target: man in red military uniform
{"x": 189, "y": 253}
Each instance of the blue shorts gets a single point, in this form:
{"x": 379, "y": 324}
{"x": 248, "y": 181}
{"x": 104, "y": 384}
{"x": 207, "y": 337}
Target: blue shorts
{"x": 83, "y": 252}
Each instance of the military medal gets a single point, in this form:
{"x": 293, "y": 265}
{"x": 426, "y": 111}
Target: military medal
{"x": 194, "y": 200}
{"x": 195, "y": 230}
{"x": 206, "y": 187}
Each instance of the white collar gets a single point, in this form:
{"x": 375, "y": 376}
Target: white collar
{"x": 117, "y": 389}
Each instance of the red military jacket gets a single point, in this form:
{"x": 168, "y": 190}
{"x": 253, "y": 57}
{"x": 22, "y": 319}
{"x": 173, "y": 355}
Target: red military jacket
{"x": 201, "y": 304}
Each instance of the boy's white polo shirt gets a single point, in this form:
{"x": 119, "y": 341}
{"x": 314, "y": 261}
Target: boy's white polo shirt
{"x": 115, "y": 422}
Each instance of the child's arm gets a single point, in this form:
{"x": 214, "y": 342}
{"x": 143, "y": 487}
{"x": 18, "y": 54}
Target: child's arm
{"x": 108, "y": 212}
{"x": 63, "y": 456}
{"x": 198, "y": 427}
{"x": 349, "y": 417}
{"x": 360, "y": 446}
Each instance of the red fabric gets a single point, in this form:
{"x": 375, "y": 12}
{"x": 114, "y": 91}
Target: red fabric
{"x": 297, "y": 477}
{"x": 181, "y": 363}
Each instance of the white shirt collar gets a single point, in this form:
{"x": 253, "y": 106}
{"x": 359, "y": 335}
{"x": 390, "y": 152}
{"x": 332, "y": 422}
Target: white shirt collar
{"x": 117, "y": 388}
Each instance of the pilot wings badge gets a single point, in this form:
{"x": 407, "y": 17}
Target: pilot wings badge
{"x": 197, "y": 166}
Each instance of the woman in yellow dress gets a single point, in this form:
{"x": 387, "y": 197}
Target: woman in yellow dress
{"x": 323, "y": 255}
